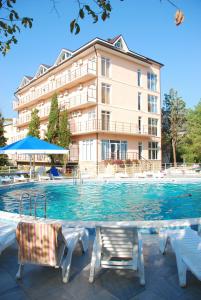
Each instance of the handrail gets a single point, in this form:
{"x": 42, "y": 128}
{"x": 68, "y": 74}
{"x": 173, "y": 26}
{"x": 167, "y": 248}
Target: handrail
{"x": 36, "y": 197}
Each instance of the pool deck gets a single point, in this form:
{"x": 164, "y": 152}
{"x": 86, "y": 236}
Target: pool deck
{"x": 45, "y": 283}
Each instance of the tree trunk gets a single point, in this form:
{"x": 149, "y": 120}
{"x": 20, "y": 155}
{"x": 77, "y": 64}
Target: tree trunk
{"x": 174, "y": 153}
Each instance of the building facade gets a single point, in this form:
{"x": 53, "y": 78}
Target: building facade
{"x": 113, "y": 100}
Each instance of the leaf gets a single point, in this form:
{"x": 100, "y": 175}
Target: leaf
{"x": 81, "y": 13}
{"x": 77, "y": 28}
{"x": 72, "y": 25}
{"x": 179, "y": 17}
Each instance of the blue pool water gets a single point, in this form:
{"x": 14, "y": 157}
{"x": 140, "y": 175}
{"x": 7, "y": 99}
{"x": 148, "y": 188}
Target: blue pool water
{"x": 111, "y": 201}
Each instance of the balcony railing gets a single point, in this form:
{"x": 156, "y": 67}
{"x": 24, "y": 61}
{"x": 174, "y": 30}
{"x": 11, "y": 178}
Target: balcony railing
{"x": 54, "y": 85}
{"x": 78, "y": 100}
{"x": 109, "y": 126}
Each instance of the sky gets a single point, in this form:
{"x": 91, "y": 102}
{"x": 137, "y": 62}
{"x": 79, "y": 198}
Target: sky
{"x": 147, "y": 26}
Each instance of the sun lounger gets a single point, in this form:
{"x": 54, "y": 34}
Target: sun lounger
{"x": 42, "y": 174}
{"x": 5, "y": 180}
{"x": 54, "y": 173}
{"x": 117, "y": 248}
{"x": 7, "y": 235}
{"x": 186, "y": 244}
{"x": 46, "y": 244}
{"x": 20, "y": 178}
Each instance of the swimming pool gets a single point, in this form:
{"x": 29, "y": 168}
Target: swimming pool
{"x": 111, "y": 201}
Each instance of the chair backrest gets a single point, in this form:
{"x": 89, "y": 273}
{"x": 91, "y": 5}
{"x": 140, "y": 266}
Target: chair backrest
{"x": 39, "y": 243}
{"x": 117, "y": 241}
{"x": 54, "y": 171}
{"x": 41, "y": 171}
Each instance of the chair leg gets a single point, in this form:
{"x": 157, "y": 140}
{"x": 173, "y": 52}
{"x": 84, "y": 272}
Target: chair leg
{"x": 163, "y": 240}
{"x": 85, "y": 241}
{"x": 182, "y": 270}
{"x": 20, "y": 271}
{"x": 141, "y": 268}
{"x": 95, "y": 262}
{"x": 67, "y": 262}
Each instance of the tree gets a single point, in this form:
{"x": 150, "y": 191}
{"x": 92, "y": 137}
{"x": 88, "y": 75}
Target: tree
{"x": 10, "y": 20}
{"x": 3, "y": 158}
{"x": 64, "y": 130}
{"x": 34, "y": 125}
{"x": 53, "y": 122}
{"x": 173, "y": 121}
{"x": 190, "y": 146}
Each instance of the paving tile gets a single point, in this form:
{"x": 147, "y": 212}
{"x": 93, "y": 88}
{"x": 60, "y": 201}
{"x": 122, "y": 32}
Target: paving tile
{"x": 6, "y": 282}
{"x": 14, "y": 293}
{"x": 123, "y": 284}
{"x": 147, "y": 295}
{"x": 41, "y": 283}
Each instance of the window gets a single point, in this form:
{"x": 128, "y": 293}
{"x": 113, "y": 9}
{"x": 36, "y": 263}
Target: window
{"x": 152, "y": 126}
{"x": 112, "y": 149}
{"x": 140, "y": 150}
{"x": 119, "y": 44}
{"x": 153, "y": 150}
{"x": 152, "y": 104}
{"x": 105, "y": 97}
{"x": 91, "y": 115}
{"x": 151, "y": 81}
{"x": 139, "y": 77}
{"x": 139, "y": 124}
{"x": 139, "y": 101}
{"x": 105, "y": 120}
{"x": 88, "y": 149}
{"x": 105, "y": 67}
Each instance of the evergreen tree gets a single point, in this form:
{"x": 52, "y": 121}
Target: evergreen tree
{"x": 173, "y": 121}
{"x": 64, "y": 130}
{"x": 53, "y": 122}
{"x": 3, "y": 158}
{"x": 190, "y": 146}
{"x": 34, "y": 125}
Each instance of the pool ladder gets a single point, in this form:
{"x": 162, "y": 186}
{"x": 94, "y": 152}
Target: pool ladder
{"x": 32, "y": 197}
{"x": 77, "y": 176}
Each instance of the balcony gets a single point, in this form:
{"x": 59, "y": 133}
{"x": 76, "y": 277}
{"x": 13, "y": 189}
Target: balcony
{"x": 114, "y": 127}
{"x": 23, "y": 120}
{"x": 82, "y": 100}
{"x": 72, "y": 78}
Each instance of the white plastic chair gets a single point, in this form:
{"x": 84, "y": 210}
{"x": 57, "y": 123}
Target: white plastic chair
{"x": 117, "y": 248}
{"x": 6, "y": 179}
{"x": 7, "y": 235}
{"x": 186, "y": 243}
{"x": 45, "y": 244}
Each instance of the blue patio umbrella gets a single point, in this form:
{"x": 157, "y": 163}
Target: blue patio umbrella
{"x": 32, "y": 145}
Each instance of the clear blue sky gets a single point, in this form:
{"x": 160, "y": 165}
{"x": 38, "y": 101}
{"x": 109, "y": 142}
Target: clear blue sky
{"x": 147, "y": 26}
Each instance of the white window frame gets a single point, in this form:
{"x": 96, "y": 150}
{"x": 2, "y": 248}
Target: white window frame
{"x": 153, "y": 150}
{"x": 105, "y": 66}
{"x": 153, "y": 126}
{"x": 139, "y": 100}
{"x": 152, "y": 103}
{"x": 139, "y": 77}
{"x": 107, "y": 93}
{"x": 152, "y": 81}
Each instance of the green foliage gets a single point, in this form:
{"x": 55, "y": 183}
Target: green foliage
{"x": 64, "y": 130}
{"x": 190, "y": 146}
{"x": 10, "y": 22}
{"x": 53, "y": 122}
{"x": 101, "y": 8}
{"x": 34, "y": 125}
{"x": 173, "y": 121}
{"x": 3, "y": 158}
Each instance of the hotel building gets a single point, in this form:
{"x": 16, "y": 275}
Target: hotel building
{"x": 112, "y": 96}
